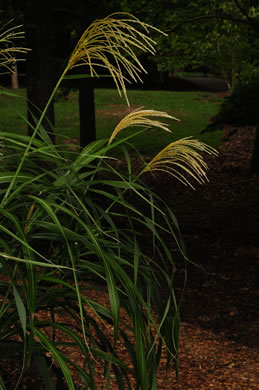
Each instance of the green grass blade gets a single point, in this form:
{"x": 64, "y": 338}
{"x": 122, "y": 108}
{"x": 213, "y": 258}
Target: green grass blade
{"x": 57, "y": 356}
{"x": 43, "y": 369}
{"x": 21, "y": 309}
{"x": 2, "y": 386}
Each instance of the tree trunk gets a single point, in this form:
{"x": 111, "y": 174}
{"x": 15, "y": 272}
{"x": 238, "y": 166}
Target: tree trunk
{"x": 255, "y": 157}
{"x": 40, "y": 72}
{"x": 14, "y": 76}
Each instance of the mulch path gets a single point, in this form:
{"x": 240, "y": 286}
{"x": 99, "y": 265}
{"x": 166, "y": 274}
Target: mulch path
{"x": 219, "y": 343}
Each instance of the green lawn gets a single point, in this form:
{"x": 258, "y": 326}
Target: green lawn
{"x": 194, "y": 109}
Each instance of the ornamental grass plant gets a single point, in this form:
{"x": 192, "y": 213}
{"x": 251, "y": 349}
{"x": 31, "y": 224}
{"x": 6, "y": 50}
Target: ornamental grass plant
{"x": 72, "y": 223}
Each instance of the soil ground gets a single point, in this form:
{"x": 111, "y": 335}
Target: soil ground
{"x": 219, "y": 343}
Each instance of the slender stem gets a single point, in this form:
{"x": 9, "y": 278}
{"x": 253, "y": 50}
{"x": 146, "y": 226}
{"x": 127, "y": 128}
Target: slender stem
{"x": 5, "y": 198}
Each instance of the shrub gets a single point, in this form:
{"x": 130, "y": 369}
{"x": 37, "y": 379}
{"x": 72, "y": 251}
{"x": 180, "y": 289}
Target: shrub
{"x": 240, "y": 108}
{"x": 72, "y": 223}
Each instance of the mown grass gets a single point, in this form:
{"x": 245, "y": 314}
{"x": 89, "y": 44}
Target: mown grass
{"x": 193, "y": 109}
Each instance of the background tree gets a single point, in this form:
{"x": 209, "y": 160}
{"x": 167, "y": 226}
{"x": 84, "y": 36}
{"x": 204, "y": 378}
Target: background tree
{"x": 221, "y": 35}
{"x": 52, "y": 29}
{"x": 215, "y": 34}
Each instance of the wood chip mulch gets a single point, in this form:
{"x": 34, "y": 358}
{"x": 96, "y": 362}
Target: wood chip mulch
{"x": 219, "y": 340}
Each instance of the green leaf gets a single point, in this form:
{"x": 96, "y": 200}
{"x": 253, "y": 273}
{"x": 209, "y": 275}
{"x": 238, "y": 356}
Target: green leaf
{"x": 42, "y": 367}
{"x": 8, "y": 93}
{"x": 6, "y": 177}
{"x": 57, "y": 356}
{"x": 2, "y": 386}
{"x": 110, "y": 358}
{"x": 140, "y": 351}
{"x": 32, "y": 262}
{"x": 114, "y": 299}
{"x": 20, "y": 308}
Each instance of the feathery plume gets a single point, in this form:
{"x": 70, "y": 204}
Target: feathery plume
{"x": 183, "y": 154}
{"x": 140, "y": 117}
{"x": 109, "y": 43}
{"x": 7, "y": 48}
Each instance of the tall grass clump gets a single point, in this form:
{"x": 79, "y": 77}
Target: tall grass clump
{"x": 75, "y": 228}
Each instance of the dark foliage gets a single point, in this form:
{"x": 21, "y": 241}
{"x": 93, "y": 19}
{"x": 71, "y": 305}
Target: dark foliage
{"x": 241, "y": 108}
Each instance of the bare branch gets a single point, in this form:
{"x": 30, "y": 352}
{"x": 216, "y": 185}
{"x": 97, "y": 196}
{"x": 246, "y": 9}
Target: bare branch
{"x": 243, "y": 11}
{"x": 220, "y": 17}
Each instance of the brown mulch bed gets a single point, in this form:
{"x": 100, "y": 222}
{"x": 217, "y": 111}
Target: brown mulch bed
{"x": 219, "y": 342}
{"x": 219, "y": 223}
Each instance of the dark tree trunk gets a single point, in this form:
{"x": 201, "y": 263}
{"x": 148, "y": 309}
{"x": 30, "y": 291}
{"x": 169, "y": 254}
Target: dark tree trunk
{"x": 255, "y": 157}
{"x": 86, "y": 101}
{"x": 40, "y": 35}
